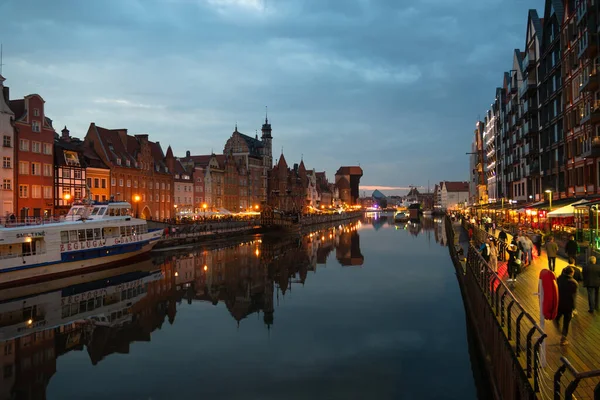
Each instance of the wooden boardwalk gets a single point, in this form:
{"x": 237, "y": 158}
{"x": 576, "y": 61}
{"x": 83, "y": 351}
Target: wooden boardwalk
{"x": 583, "y": 350}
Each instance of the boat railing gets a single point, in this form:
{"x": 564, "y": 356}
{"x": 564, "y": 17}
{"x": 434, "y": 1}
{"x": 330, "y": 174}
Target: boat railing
{"x": 14, "y": 222}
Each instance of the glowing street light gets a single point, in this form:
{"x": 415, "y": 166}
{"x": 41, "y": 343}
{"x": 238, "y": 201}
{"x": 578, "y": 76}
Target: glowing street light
{"x": 549, "y": 197}
{"x": 136, "y": 200}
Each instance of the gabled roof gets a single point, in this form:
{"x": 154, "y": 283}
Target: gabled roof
{"x": 199, "y": 161}
{"x": 532, "y": 16}
{"x": 254, "y": 144}
{"x": 18, "y": 107}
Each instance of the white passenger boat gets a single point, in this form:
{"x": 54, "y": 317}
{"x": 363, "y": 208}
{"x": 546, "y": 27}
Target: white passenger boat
{"x": 89, "y": 237}
{"x": 401, "y": 217}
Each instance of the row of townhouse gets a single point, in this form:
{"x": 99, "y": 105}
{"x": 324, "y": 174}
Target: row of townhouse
{"x": 541, "y": 135}
{"x": 43, "y": 173}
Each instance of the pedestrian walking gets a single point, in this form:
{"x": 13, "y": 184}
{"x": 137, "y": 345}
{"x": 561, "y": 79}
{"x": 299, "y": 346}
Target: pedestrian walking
{"x": 485, "y": 250}
{"x": 551, "y": 252}
{"x": 591, "y": 281}
{"x": 503, "y": 239}
{"x": 493, "y": 263}
{"x": 567, "y": 292}
{"x": 571, "y": 247}
{"x": 514, "y": 262}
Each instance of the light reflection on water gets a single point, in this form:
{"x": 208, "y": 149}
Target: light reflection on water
{"x": 369, "y": 309}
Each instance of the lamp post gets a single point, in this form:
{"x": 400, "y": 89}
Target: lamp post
{"x": 136, "y": 200}
{"x": 550, "y": 207}
{"x": 204, "y": 206}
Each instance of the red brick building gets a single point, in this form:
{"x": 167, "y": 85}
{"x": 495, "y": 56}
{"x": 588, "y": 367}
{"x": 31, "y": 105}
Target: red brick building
{"x": 137, "y": 167}
{"x": 287, "y": 187}
{"x": 34, "y": 157}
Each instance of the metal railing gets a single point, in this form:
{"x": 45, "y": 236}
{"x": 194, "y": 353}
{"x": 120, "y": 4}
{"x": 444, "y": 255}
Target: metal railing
{"x": 11, "y": 222}
{"x": 581, "y": 385}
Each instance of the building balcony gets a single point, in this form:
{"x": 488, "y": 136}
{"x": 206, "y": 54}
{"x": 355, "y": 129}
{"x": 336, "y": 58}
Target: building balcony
{"x": 529, "y": 60}
{"x": 589, "y": 48}
{"x": 590, "y": 81}
{"x": 528, "y": 86}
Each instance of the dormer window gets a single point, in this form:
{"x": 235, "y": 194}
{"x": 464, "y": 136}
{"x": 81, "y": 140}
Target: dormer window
{"x": 36, "y": 112}
{"x": 166, "y": 169}
{"x": 118, "y": 161}
{"x": 128, "y": 163}
{"x": 36, "y": 126}
{"x": 176, "y": 176}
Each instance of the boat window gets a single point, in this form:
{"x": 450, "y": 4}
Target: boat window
{"x": 72, "y": 236}
{"x": 90, "y": 304}
{"x": 126, "y": 211}
{"x": 65, "y": 310}
{"x": 111, "y": 212}
{"x": 102, "y": 211}
{"x": 122, "y": 231}
{"x": 81, "y": 211}
{"x": 81, "y": 235}
{"x": 64, "y": 236}
{"x": 128, "y": 231}
{"x": 97, "y": 234}
{"x": 74, "y": 308}
{"x": 95, "y": 211}
{"x": 89, "y": 234}
{"x": 98, "y": 302}
{"x": 72, "y": 211}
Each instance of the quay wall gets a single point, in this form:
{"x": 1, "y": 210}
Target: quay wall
{"x": 189, "y": 233}
{"x": 509, "y": 338}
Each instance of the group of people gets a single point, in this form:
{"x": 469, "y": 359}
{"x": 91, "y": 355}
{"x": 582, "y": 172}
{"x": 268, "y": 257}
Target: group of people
{"x": 520, "y": 255}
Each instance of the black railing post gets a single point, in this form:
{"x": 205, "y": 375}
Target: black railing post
{"x": 518, "y": 339}
{"x": 536, "y": 352}
{"x": 557, "y": 377}
{"x": 529, "y": 351}
{"x": 508, "y": 319}
{"x": 502, "y": 318}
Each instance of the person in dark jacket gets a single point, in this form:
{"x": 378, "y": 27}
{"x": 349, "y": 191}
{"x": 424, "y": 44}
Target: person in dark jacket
{"x": 571, "y": 247}
{"x": 567, "y": 293}
{"x": 502, "y": 237}
{"x": 591, "y": 280}
{"x": 514, "y": 262}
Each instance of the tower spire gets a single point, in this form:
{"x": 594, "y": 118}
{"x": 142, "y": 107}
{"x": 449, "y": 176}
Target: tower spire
{"x": 1, "y": 64}
{"x": 266, "y": 114}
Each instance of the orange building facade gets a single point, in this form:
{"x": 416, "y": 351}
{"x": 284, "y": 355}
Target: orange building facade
{"x": 34, "y": 158}
{"x": 138, "y": 171}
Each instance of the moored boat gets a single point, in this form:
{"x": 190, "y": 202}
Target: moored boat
{"x": 89, "y": 236}
{"x": 401, "y": 217}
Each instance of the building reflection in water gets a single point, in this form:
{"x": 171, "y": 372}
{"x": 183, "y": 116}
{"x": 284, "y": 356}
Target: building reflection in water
{"x": 103, "y": 313}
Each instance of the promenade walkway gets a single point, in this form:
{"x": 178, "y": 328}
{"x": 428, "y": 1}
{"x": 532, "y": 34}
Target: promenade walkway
{"x": 583, "y": 350}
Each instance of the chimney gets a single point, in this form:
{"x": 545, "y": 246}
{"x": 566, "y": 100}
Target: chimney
{"x": 65, "y": 135}
{"x": 188, "y": 154}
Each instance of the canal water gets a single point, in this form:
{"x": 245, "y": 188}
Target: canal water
{"x": 364, "y": 310}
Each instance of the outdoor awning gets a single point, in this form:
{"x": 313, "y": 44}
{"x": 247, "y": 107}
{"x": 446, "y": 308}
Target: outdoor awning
{"x": 566, "y": 211}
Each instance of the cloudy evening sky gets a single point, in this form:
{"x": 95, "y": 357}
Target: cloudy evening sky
{"x": 394, "y": 85}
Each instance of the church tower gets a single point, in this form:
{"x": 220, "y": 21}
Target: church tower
{"x": 267, "y": 140}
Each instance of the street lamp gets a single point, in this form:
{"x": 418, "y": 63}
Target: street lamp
{"x": 136, "y": 200}
{"x": 549, "y": 197}
{"x": 204, "y": 206}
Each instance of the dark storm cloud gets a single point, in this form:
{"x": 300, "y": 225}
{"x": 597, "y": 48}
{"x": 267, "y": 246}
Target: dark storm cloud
{"x": 395, "y": 85}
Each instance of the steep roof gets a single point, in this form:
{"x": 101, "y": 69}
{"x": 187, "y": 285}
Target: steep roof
{"x": 199, "y": 161}
{"x": 254, "y": 144}
{"x": 354, "y": 170}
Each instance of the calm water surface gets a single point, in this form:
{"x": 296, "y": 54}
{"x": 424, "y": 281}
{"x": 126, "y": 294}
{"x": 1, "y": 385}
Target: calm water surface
{"x": 367, "y": 310}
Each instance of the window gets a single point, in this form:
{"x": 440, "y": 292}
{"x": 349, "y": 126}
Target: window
{"x": 96, "y": 182}
{"x": 77, "y": 173}
{"x": 36, "y": 191}
{"x": 168, "y": 186}
{"x": 6, "y": 184}
{"x": 24, "y": 145}
{"x": 23, "y": 168}
{"x": 36, "y": 147}
{"x": 135, "y": 184}
{"x": 78, "y": 193}
{"x": 36, "y": 126}
{"x": 66, "y": 173}
{"x": 36, "y": 168}
{"x": 128, "y": 182}
{"x": 7, "y": 141}
{"x": 47, "y": 147}
{"x": 89, "y": 182}
{"x": 128, "y": 163}
{"x": 23, "y": 191}
{"x": 6, "y": 162}
{"x": 118, "y": 161}
{"x": 36, "y": 112}
{"x": 47, "y": 192}
{"x": 103, "y": 197}
{"x": 47, "y": 169}
{"x": 163, "y": 186}
{"x": 103, "y": 183}
{"x": 121, "y": 182}
{"x": 113, "y": 182}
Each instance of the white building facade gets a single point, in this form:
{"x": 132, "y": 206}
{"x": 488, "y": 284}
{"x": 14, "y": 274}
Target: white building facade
{"x": 454, "y": 195}
{"x": 8, "y": 155}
